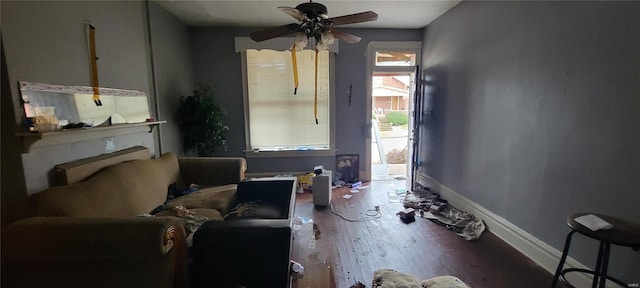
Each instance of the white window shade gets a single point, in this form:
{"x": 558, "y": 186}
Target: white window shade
{"x": 278, "y": 119}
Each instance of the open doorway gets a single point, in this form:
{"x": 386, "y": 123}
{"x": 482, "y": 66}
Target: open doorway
{"x": 390, "y": 130}
{"x": 392, "y": 67}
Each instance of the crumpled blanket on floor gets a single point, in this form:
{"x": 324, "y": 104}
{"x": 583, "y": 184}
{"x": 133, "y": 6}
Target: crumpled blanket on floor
{"x": 389, "y": 278}
{"x": 465, "y": 225}
{"x": 444, "y": 282}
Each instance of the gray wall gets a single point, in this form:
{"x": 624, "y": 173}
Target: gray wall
{"x": 536, "y": 114}
{"x": 173, "y": 67}
{"x": 45, "y": 42}
{"x": 217, "y": 64}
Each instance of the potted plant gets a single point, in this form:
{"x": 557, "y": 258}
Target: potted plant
{"x": 202, "y": 123}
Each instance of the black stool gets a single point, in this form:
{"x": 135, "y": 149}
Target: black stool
{"x": 623, "y": 233}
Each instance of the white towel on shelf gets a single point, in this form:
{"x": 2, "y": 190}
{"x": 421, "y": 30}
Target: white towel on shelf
{"x": 593, "y": 222}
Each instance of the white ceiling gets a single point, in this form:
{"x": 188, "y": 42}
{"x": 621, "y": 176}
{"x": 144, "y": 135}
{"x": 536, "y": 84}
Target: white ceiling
{"x": 410, "y": 14}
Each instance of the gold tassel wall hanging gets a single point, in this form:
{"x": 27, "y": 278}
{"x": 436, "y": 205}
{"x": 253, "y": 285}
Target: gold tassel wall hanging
{"x": 315, "y": 100}
{"x": 93, "y": 63}
{"x": 295, "y": 69}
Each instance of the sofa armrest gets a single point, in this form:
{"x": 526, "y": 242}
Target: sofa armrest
{"x": 212, "y": 171}
{"x": 226, "y": 252}
{"x": 39, "y": 251}
{"x": 70, "y": 238}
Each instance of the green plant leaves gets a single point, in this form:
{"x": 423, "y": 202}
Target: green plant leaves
{"x": 202, "y": 122}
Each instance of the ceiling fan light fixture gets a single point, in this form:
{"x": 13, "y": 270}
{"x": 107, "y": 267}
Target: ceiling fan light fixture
{"x": 321, "y": 46}
{"x": 315, "y": 23}
{"x": 301, "y": 41}
{"x": 327, "y": 37}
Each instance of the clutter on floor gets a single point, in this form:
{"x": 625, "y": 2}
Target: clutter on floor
{"x": 429, "y": 205}
{"x": 407, "y": 215}
{"x": 296, "y": 267}
{"x": 397, "y": 195}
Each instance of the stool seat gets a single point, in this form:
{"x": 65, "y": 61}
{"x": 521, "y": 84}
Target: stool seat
{"x": 623, "y": 233}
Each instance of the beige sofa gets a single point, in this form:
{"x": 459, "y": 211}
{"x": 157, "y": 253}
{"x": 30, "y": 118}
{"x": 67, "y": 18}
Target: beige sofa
{"x": 91, "y": 234}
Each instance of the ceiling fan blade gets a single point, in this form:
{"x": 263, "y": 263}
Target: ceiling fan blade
{"x": 293, "y": 12}
{"x": 352, "y": 18}
{"x": 274, "y": 32}
{"x": 346, "y": 37}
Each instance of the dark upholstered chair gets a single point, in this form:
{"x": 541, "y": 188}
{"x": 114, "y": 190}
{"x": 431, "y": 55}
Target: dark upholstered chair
{"x": 252, "y": 246}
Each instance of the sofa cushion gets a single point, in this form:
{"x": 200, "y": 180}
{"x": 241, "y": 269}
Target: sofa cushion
{"x": 122, "y": 190}
{"x": 217, "y": 198}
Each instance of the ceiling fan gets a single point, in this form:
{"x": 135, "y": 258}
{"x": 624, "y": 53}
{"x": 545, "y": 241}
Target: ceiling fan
{"x": 315, "y": 24}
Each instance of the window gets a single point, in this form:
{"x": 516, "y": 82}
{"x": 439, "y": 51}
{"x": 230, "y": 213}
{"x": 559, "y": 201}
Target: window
{"x": 279, "y": 122}
{"x": 395, "y": 58}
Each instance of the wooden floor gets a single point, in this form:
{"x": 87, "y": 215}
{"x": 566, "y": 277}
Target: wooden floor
{"x": 339, "y": 253}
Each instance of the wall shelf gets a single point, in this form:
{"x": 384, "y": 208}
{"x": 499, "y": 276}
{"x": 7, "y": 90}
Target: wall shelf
{"x": 31, "y": 140}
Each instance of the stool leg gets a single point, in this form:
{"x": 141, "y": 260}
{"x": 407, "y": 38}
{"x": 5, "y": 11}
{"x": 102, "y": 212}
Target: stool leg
{"x": 565, "y": 251}
{"x": 596, "y": 271}
{"x": 605, "y": 263}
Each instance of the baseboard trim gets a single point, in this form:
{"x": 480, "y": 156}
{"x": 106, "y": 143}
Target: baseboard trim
{"x": 538, "y": 251}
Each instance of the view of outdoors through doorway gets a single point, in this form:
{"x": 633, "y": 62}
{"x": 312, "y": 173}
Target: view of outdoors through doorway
{"x": 390, "y": 125}
{"x": 392, "y": 67}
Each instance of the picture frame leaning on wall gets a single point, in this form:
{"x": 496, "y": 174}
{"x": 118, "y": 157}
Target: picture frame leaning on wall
{"x": 347, "y": 167}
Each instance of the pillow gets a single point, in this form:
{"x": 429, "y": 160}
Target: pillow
{"x": 254, "y": 209}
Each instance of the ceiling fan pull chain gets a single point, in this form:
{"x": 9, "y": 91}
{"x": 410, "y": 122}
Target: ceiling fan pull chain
{"x": 295, "y": 68}
{"x": 315, "y": 100}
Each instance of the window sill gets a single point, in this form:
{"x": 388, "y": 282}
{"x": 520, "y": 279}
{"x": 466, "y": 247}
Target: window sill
{"x": 290, "y": 153}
